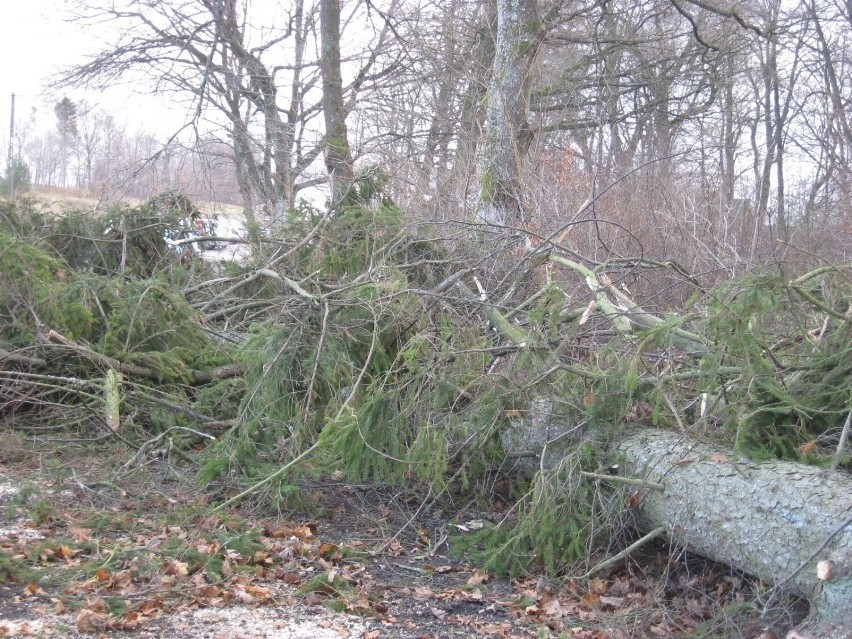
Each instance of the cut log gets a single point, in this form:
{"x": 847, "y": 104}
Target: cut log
{"x": 789, "y": 524}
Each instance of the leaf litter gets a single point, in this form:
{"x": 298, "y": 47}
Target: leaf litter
{"x": 235, "y": 576}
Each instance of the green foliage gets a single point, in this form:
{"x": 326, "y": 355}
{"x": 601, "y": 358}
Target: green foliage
{"x": 28, "y": 501}
{"x": 151, "y": 325}
{"x": 14, "y": 569}
{"x": 796, "y": 391}
{"x": 557, "y": 520}
{"x": 220, "y": 399}
{"x": 99, "y": 242}
{"x": 23, "y": 218}
{"x": 359, "y": 234}
{"x": 22, "y": 179}
{"x": 33, "y": 289}
{"x": 373, "y": 445}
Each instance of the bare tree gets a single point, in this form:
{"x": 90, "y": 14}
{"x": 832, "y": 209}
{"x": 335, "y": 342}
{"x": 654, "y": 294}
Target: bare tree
{"x": 209, "y": 53}
{"x": 508, "y": 131}
{"x": 338, "y": 159}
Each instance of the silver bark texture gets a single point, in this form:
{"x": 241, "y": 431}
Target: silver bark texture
{"x": 508, "y": 132}
{"x": 773, "y": 519}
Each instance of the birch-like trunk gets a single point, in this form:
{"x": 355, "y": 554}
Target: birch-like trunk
{"x": 508, "y": 132}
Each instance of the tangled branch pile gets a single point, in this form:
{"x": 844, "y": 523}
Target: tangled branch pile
{"x": 441, "y": 355}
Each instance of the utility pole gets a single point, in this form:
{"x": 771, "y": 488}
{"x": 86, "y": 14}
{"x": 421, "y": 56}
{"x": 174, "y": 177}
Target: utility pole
{"x": 10, "y": 173}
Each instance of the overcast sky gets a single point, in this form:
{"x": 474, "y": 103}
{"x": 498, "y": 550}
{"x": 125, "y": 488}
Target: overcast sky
{"x": 35, "y": 41}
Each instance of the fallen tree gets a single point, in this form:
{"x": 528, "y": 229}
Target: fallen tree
{"x": 391, "y": 361}
{"x": 787, "y": 523}
{"x": 776, "y": 520}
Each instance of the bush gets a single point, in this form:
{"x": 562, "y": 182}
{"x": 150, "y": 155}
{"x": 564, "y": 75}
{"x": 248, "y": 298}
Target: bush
{"x": 23, "y": 180}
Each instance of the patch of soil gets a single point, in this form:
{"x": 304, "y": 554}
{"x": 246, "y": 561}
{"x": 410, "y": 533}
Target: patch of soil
{"x": 86, "y": 557}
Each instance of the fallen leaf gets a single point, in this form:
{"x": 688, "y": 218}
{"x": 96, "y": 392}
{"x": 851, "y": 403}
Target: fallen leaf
{"x": 597, "y": 586}
{"x": 80, "y": 534}
{"x": 437, "y": 612}
{"x": 553, "y": 608}
{"x": 613, "y": 602}
{"x": 422, "y": 593}
{"x": 635, "y": 498}
{"x": 478, "y": 578}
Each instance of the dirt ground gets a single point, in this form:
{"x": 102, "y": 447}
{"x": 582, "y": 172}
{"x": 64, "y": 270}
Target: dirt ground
{"x": 84, "y": 555}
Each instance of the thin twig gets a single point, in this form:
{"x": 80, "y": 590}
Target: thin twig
{"x": 634, "y": 546}
{"x": 841, "y": 445}
{"x": 632, "y": 481}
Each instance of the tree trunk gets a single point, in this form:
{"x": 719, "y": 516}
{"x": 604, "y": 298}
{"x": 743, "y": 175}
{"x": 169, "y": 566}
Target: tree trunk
{"x": 508, "y": 132}
{"x": 338, "y": 160}
{"x": 775, "y": 520}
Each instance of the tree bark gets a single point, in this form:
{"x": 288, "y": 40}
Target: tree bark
{"x": 776, "y": 520}
{"x": 508, "y": 131}
{"x": 338, "y": 160}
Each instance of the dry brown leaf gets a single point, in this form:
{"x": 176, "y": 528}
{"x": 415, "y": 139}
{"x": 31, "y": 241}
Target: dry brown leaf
{"x": 472, "y": 595}
{"x": 257, "y": 591}
{"x": 613, "y": 602}
{"x": 635, "y": 498}
{"x": 597, "y": 586}
{"x": 312, "y": 599}
{"x": 302, "y": 532}
{"x": 80, "y": 534}
{"x": 478, "y": 578}
{"x": 809, "y": 447}
{"x": 553, "y": 608}
{"x": 422, "y": 593}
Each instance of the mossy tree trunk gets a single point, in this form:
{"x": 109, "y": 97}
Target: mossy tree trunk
{"x": 508, "y": 131}
{"x": 338, "y": 160}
